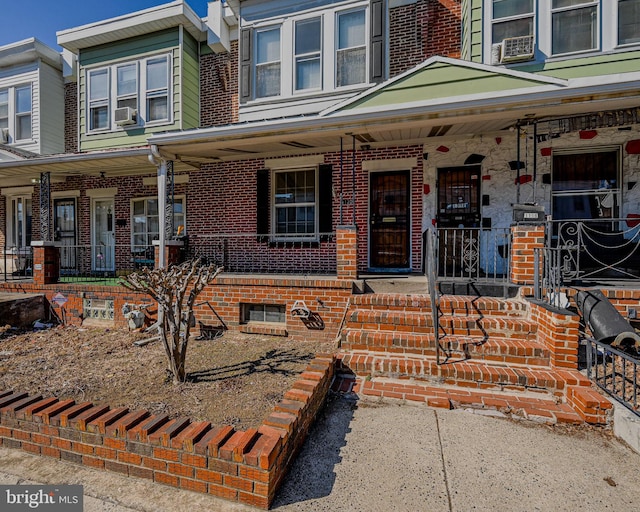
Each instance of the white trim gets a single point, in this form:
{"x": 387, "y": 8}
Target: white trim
{"x": 394, "y": 164}
{"x": 152, "y": 181}
{"x": 295, "y": 162}
{"x": 102, "y": 192}
{"x": 61, "y": 194}
{"x": 16, "y": 191}
{"x": 273, "y": 207}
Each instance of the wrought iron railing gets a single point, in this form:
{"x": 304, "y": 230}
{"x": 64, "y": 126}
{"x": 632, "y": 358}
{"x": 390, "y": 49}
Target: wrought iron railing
{"x": 431, "y": 271}
{"x": 615, "y": 372}
{"x": 474, "y": 254}
{"x": 266, "y": 253}
{"x": 599, "y": 249}
{"x": 101, "y": 262}
{"x": 550, "y": 271}
{"x": 16, "y": 263}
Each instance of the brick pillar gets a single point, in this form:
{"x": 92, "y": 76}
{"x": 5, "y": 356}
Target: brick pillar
{"x": 46, "y": 263}
{"x": 347, "y": 252}
{"x": 557, "y": 330}
{"x": 524, "y": 239}
{"x": 172, "y": 251}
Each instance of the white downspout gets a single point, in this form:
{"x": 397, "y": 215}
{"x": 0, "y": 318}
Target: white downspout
{"x": 161, "y": 164}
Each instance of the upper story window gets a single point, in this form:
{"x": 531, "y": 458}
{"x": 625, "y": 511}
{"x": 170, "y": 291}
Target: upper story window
{"x": 574, "y": 26}
{"x": 132, "y": 93}
{"x": 322, "y": 49}
{"x": 15, "y": 114}
{"x": 511, "y": 18}
{"x": 564, "y": 27}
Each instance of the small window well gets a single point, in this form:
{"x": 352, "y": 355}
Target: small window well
{"x": 273, "y": 313}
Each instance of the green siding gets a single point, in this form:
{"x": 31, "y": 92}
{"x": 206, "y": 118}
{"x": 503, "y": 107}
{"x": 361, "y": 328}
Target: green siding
{"x": 598, "y": 65}
{"x": 476, "y": 30}
{"x": 442, "y": 80}
{"x": 190, "y": 83}
{"x": 130, "y": 49}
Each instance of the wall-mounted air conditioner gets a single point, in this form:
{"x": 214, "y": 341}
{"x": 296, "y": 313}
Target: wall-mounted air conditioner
{"x": 517, "y": 49}
{"x": 4, "y": 135}
{"x": 125, "y": 116}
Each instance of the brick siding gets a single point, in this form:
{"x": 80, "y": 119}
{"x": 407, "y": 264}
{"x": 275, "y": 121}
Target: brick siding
{"x": 71, "y": 117}
{"x": 219, "y": 88}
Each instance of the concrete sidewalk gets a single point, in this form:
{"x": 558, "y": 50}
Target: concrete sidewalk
{"x": 367, "y": 455}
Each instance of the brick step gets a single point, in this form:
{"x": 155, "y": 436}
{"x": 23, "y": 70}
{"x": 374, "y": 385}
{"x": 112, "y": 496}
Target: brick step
{"x": 449, "y": 304}
{"x": 421, "y": 323}
{"x": 502, "y": 350}
{"x": 468, "y": 374}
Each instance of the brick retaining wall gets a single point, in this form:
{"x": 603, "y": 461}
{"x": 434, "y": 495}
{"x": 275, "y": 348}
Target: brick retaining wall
{"x": 245, "y": 466}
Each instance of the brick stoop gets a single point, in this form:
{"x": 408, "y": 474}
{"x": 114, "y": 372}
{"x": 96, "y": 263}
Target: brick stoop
{"x": 495, "y": 357}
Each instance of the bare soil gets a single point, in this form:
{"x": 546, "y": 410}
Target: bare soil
{"x": 235, "y": 379}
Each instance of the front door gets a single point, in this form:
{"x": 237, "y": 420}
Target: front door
{"x": 389, "y": 218}
{"x": 103, "y": 237}
{"x": 64, "y": 225}
{"x": 459, "y": 220}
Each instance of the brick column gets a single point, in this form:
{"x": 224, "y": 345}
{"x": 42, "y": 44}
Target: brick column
{"x": 171, "y": 250}
{"x": 524, "y": 239}
{"x": 347, "y": 252}
{"x": 46, "y": 263}
{"x": 557, "y": 330}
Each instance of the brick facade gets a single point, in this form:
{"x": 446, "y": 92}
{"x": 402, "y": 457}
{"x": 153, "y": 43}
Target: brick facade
{"x": 421, "y": 30}
{"x": 219, "y": 88}
{"x": 71, "y": 117}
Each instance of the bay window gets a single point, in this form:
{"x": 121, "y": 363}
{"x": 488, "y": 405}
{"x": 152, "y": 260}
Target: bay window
{"x": 15, "y": 113}
{"x": 23, "y": 112}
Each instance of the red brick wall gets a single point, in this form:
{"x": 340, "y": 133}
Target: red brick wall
{"x": 219, "y": 88}
{"x": 71, "y": 117}
{"x": 244, "y": 466}
{"x": 524, "y": 241}
{"x": 421, "y": 30}
{"x": 557, "y": 331}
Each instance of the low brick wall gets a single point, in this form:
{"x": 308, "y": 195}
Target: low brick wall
{"x": 244, "y": 466}
{"x": 557, "y": 329}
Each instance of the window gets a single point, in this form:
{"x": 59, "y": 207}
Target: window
{"x": 511, "y": 18}
{"x": 351, "y": 51}
{"x": 574, "y": 25}
{"x": 268, "y": 63}
{"x": 295, "y": 202}
{"x": 4, "y": 109}
{"x": 15, "y": 112}
{"x": 143, "y": 86}
{"x": 274, "y": 313}
{"x": 19, "y": 221}
{"x": 145, "y": 222}
{"x": 308, "y": 47}
{"x": 23, "y": 112}
{"x": 628, "y": 21}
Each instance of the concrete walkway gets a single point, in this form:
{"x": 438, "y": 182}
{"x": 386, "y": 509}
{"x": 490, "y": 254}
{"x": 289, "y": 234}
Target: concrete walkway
{"x": 371, "y": 456}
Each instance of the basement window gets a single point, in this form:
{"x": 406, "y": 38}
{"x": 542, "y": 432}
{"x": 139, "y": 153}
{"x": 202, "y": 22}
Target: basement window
{"x": 272, "y": 313}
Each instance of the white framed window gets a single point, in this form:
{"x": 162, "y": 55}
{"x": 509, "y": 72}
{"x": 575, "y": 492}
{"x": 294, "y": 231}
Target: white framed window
{"x": 19, "y": 221}
{"x": 267, "y": 73}
{"x": 295, "y": 199}
{"x": 628, "y": 22}
{"x": 351, "y": 48}
{"x": 272, "y": 313}
{"x": 16, "y": 113}
{"x": 308, "y": 54}
{"x": 143, "y": 85}
{"x": 511, "y": 18}
{"x": 574, "y": 26}
{"x": 145, "y": 221}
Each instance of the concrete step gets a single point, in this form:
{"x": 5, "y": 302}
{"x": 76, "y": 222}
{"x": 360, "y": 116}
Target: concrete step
{"x": 422, "y": 323}
{"x": 502, "y": 350}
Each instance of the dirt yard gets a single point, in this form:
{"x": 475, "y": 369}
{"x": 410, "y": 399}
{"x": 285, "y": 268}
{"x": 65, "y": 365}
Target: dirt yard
{"x": 233, "y": 380}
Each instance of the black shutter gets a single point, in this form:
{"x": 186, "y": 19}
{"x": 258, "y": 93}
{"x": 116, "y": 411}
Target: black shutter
{"x": 246, "y": 64}
{"x": 263, "y": 192}
{"x": 325, "y": 193}
{"x": 377, "y": 42}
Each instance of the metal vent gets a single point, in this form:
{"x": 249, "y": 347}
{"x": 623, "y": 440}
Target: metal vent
{"x": 515, "y": 49}
{"x": 124, "y": 116}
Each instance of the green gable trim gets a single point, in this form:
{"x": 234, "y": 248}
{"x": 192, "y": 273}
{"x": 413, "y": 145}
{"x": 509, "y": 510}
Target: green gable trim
{"x": 130, "y": 48}
{"x": 444, "y": 80}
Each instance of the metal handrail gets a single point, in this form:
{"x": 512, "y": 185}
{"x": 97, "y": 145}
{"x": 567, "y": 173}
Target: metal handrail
{"x": 431, "y": 271}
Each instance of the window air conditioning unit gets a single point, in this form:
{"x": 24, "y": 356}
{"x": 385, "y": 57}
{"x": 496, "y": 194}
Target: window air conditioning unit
{"x": 4, "y": 136}
{"x": 517, "y": 49}
{"x": 124, "y": 116}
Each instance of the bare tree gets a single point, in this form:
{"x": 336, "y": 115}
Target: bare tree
{"x": 175, "y": 290}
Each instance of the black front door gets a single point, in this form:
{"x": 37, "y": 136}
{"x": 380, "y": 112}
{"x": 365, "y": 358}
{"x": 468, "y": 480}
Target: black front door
{"x": 64, "y": 225}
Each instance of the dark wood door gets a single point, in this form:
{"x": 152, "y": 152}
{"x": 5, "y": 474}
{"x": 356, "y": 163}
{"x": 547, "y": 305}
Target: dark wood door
{"x": 389, "y": 216}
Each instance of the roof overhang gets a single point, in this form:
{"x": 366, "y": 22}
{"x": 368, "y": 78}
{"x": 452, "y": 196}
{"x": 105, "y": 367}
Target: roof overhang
{"x": 409, "y": 123}
{"x": 130, "y": 162}
{"x": 29, "y": 50}
{"x": 131, "y": 25}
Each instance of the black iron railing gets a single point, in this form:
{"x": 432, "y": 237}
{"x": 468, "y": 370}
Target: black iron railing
{"x": 17, "y": 264}
{"x": 615, "y": 372}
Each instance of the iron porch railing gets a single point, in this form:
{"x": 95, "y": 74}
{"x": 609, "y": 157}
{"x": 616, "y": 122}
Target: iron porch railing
{"x": 615, "y": 372}
{"x": 17, "y": 264}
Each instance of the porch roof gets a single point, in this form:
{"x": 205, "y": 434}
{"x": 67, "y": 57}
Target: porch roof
{"x": 413, "y": 108}
{"x": 126, "y": 162}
